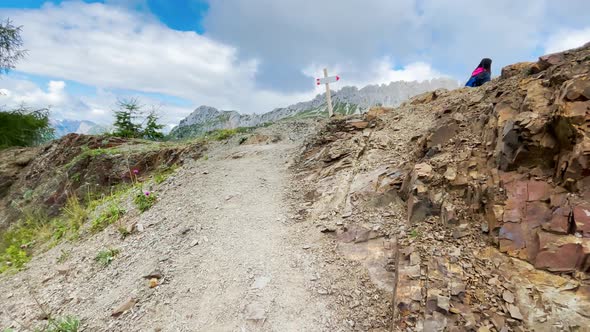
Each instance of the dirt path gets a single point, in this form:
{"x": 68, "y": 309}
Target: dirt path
{"x": 231, "y": 258}
{"x": 249, "y": 270}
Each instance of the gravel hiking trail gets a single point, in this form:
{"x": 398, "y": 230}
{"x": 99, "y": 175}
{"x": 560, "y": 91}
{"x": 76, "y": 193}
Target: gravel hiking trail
{"x": 222, "y": 236}
{"x": 251, "y": 271}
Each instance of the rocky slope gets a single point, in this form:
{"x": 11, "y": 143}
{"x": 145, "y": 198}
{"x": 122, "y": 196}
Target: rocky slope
{"x": 42, "y": 178}
{"x": 470, "y": 208}
{"x": 348, "y": 100}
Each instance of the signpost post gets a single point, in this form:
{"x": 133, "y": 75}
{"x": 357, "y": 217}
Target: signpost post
{"x": 327, "y": 80}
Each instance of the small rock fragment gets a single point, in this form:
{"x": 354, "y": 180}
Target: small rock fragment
{"x": 514, "y": 312}
{"x": 153, "y": 282}
{"x": 508, "y": 296}
{"x": 63, "y": 268}
{"x": 455, "y": 311}
{"x": 442, "y": 302}
{"x": 130, "y": 303}
{"x": 154, "y": 274}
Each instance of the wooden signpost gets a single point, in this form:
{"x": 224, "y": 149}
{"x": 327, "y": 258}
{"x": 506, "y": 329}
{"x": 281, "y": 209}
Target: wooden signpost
{"x": 327, "y": 80}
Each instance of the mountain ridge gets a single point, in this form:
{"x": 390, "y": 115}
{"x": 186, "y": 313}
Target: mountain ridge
{"x": 348, "y": 100}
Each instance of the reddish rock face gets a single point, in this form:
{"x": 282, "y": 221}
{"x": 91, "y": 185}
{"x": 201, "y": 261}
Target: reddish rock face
{"x": 538, "y": 191}
{"x": 582, "y": 220}
{"x": 560, "y": 221}
{"x": 561, "y": 253}
{"x": 561, "y": 259}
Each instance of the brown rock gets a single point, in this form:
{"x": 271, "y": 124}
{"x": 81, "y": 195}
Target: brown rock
{"x": 521, "y": 68}
{"x": 577, "y": 89}
{"x": 442, "y": 135}
{"x": 154, "y": 274}
{"x": 377, "y": 112}
{"x": 538, "y": 191}
{"x": 537, "y": 214}
{"x": 575, "y": 112}
{"x": 450, "y": 174}
{"x": 423, "y": 171}
{"x": 127, "y": 305}
{"x": 512, "y": 239}
{"x": 514, "y": 312}
{"x": 508, "y": 296}
{"x": 559, "y": 253}
{"x": 549, "y": 60}
{"x": 448, "y": 215}
{"x": 560, "y": 221}
{"x": 418, "y": 209}
{"x": 582, "y": 219}
{"x": 358, "y": 124}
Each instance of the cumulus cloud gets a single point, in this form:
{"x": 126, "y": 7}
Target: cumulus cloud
{"x": 567, "y": 39}
{"x": 259, "y": 54}
{"x": 97, "y": 107}
{"x": 451, "y": 36}
{"x": 111, "y": 47}
{"x": 19, "y": 91}
{"x": 379, "y": 71}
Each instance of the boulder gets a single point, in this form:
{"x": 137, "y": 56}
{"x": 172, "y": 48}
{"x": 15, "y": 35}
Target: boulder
{"x": 560, "y": 253}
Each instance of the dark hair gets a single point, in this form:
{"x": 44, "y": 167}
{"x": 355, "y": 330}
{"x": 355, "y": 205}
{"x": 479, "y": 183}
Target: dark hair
{"x": 486, "y": 64}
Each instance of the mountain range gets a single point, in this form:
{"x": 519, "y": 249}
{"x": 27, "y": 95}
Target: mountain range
{"x": 348, "y": 100}
{"x": 64, "y": 127}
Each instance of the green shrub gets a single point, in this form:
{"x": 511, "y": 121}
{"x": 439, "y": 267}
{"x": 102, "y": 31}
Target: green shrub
{"x": 222, "y": 134}
{"x": 112, "y": 213}
{"x": 105, "y": 257}
{"x": 144, "y": 200}
{"x": 66, "y": 324}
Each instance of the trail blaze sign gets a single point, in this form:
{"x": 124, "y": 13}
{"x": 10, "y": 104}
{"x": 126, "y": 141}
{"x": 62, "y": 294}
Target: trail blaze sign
{"x": 327, "y": 80}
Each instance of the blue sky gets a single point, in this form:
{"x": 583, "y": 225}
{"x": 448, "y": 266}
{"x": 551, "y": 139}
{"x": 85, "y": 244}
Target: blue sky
{"x": 255, "y": 55}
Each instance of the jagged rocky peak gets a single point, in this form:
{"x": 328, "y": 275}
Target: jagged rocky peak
{"x": 200, "y": 114}
{"x": 347, "y": 100}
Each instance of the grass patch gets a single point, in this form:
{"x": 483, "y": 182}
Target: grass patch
{"x": 111, "y": 213}
{"x": 75, "y": 213}
{"x": 414, "y": 233}
{"x": 35, "y": 228}
{"x": 163, "y": 173}
{"x": 87, "y": 152}
{"x": 144, "y": 200}
{"x": 223, "y": 134}
{"x": 65, "y": 324}
{"x": 105, "y": 257}
{"x": 63, "y": 257}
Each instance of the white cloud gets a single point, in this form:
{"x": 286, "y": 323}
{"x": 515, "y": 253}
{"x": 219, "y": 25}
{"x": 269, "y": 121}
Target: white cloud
{"x": 63, "y": 105}
{"x": 567, "y": 39}
{"x": 25, "y": 92}
{"x": 261, "y": 54}
{"x": 377, "y": 72}
{"x": 111, "y": 47}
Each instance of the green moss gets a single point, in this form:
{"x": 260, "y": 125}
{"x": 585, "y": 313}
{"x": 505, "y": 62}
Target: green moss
{"x": 105, "y": 257}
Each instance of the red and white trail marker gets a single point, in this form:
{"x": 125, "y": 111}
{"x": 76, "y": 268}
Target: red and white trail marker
{"x": 327, "y": 80}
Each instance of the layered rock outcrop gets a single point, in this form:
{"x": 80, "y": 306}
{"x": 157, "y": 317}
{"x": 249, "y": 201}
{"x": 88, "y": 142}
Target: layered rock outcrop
{"x": 479, "y": 199}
